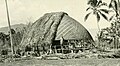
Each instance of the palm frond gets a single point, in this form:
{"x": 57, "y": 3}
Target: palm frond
{"x": 105, "y": 11}
{"x": 110, "y": 5}
{"x": 104, "y": 16}
{"x": 86, "y": 17}
{"x": 115, "y": 5}
{"x": 89, "y": 8}
{"x": 89, "y": 2}
{"x": 102, "y": 4}
{"x": 111, "y": 17}
{"x": 92, "y": 2}
{"x": 99, "y": 2}
{"x": 98, "y": 17}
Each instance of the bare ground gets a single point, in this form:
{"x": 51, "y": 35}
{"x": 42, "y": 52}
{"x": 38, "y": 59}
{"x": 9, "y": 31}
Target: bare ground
{"x": 66, "y": 62}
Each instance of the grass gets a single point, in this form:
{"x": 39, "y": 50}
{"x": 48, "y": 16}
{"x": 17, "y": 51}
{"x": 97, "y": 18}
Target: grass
{"x": 65, "y": 62}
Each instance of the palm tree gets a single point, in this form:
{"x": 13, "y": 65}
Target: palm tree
{"x": 115, "y": 5}
{"x": 95, "y": 6}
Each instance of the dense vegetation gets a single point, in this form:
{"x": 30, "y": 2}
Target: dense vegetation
{"x": 109, "y": 36}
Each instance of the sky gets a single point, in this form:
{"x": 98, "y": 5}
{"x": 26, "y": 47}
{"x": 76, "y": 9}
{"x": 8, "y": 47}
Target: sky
{"x": 24, "y": 11}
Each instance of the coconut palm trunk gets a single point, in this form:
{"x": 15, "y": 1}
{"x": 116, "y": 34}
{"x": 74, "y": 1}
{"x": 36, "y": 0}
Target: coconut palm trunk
{"x": 8, "y": 17}
{"x": 98, "y": 27}
{"x": 118, "y": 19}
{"x": 98, "y": 34}
{"x": 119, "y": 6}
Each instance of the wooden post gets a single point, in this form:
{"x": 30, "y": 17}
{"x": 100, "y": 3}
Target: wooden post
{"x": 11, "y": 41}
{"x": 116, "y": 42}
{"x": 51, "y": 49}
{"x": 55, "y": 49}
{"x": 62, "y": 48}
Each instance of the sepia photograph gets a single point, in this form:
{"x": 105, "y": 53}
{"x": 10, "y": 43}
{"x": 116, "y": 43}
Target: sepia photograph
{"x": 59, "y": 32}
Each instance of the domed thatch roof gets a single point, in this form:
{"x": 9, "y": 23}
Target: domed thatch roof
{"x": 71, "y": 29}
{"x": 52, "y": 26}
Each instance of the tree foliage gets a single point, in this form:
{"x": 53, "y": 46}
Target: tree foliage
{"x": 95, "y": 6}
{"x": 5, "y": 39}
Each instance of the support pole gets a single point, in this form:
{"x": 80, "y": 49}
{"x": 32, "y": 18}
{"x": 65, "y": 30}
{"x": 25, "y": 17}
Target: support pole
{"x": 55, "y": 49}
{"x": 8, "y": 17}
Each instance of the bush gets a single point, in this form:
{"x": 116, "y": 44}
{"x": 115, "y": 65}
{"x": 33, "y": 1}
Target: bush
{"x": 117, "y": 54}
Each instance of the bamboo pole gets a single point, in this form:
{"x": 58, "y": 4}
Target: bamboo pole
{"x": 8, "y": 17}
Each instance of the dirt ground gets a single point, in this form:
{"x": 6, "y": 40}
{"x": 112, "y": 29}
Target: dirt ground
{"x": 66, "y": 62}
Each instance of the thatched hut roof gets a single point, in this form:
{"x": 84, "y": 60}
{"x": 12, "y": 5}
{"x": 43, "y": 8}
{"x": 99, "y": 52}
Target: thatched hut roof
{"x": 52, "y": 26}
{"x": 71, "y": 29}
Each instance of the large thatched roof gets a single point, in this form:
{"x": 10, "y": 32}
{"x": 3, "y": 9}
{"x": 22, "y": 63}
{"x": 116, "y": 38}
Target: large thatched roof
{"x": 53, "y": 26}
{"x": 71, "y": 29}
